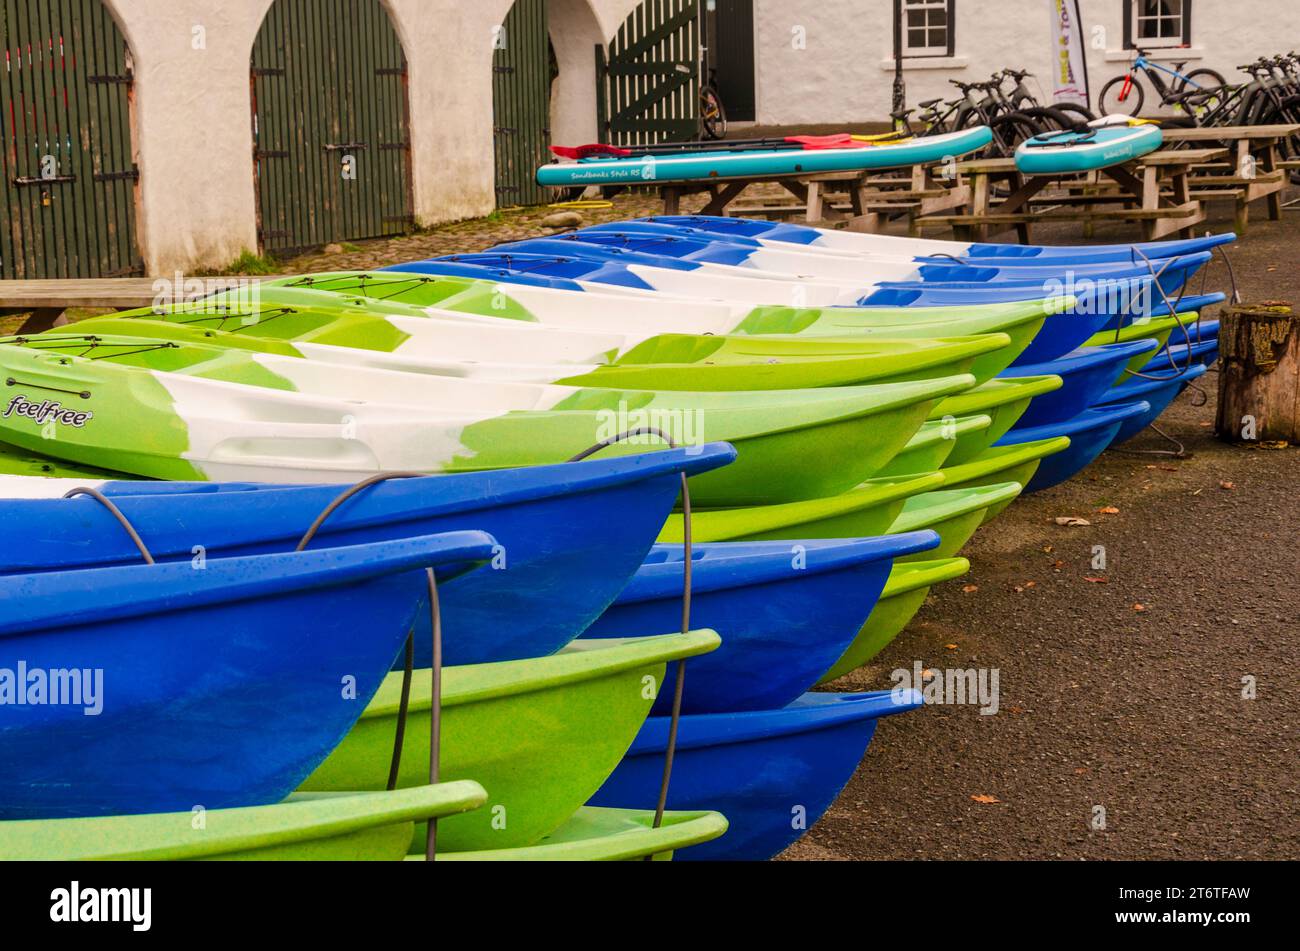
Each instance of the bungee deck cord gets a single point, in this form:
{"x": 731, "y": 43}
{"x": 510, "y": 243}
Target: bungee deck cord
{"x": 670, "y": 751}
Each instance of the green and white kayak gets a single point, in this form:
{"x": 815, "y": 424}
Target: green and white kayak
{"x": 1001, "y": 464}
{"x": 596, "y": 834}
{"x": 19, "y": 462}
{"x": 344, "y": 826}
{"x": 649, "y": 315}
{"x": 866, "y": 509}
{"x": 509, "y": 351}
{"x": 954, "y": 513}
{"x": 929, "y": 449}
{"x": 1005, "y": 401}
{"x": 540, "y": 735}
{"x": 905, "y": 591}
{"x": 193, "y": 412}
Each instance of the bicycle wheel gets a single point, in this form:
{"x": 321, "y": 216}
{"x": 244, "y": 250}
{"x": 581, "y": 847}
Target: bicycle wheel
{"x": 1073, "y": 110}
{"x": 1205, "y": 78}
{"x": 1009, "y": 131}
{"x": 1050, "y": 118}
{"x": 1123, "y": 95}
{"x": 713, "y": 117}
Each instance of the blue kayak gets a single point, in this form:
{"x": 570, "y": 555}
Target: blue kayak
{"x": 1157, "y": 393}
{"x": 710, "y": 165}
{"x": 572, "y": 536}
{"x": 157, "y": 688}
{"x": 786, "y": 610}
{"x": 774, "y": 233}
{"x": 772, "y": 773}
{"x": 1090, "y": 433}
{"x": 1182, "y": 304}
{"x": 1083, "y": 150}
{"x": 1086, "y": 375}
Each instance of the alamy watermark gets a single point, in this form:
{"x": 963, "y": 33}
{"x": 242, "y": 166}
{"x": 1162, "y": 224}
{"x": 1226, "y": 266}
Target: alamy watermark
{"x": 974, "y": 686}
{"x": 23, "y": 686}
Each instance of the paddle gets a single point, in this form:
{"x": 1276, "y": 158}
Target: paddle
{"x": 839, "y": 140}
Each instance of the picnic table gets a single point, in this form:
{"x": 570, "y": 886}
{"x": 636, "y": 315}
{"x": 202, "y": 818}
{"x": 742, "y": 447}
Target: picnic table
{"x": 47, "y": 301}
{"x": 858, "y": 200}
{"x": 1154, "y": 190}
{"x": 1256, "y": 170}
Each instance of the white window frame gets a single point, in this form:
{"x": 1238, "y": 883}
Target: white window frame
{"x": 1137, "y": 16}
{"x": 926, "y": 7}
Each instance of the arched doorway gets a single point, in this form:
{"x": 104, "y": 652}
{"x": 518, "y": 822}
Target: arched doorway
{"x": 648, "y": 82}
{"x": 68, "y": 193}
{"x": 523, "y": 67}
{"x": 331, "y": 138}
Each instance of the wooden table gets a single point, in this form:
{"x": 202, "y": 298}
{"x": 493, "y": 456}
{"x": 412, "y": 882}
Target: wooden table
{"x": 47, "y": 301}
{"x": 872, "y": 195}
{"x": 1153, "y": 190}
{"x": 1256, "y": 172}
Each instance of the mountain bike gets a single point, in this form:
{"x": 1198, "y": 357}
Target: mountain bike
{"x": 713, "y": 115}
{"x": 1125, "y": 95}
{"x": 1021, "y": 99}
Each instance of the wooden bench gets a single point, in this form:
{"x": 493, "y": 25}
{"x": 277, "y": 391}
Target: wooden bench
{"x": 46, "y": 302}
{"x": 1256, "y": 171}
{"x": 1154, "y": 190}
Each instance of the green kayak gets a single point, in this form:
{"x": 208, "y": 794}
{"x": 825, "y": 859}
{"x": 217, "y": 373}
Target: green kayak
{"x": 503, "y": 350}
{"x": 1000, "y": 464}
{"x": 904, "y": 593}
{"x": 929, "y": 449}
{"x": 19, "y": 462}
{"x": 1003, "y": 400}
{"x": 1159, "y": 329}
{"x": 345, "y": 826}
{"x": 540, "y": 735}
{"x": 596, "y": 834}
{"x": 954, "y": 513}
{"x": 190, "y": 411}
{"x": 867, "y": 509}
{"x": 650, "y": 315}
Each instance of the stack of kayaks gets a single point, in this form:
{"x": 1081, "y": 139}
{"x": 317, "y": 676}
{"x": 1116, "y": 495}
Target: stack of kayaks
{"x": 848, "y": 410}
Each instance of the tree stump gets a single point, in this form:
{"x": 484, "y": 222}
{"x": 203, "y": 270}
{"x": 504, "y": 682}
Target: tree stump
{"x": 1259, "y": 374}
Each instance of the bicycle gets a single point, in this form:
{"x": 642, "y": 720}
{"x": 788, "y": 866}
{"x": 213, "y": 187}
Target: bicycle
{"x": 713, "y": 115}
{"x": 1023, "y": 100}
{"x": 1124, "y": 95}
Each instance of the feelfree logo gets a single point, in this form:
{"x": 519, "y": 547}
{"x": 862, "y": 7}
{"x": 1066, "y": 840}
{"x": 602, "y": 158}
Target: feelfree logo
{"x": 47, "y": 411}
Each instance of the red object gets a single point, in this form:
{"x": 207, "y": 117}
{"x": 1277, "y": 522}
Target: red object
{"x": 587, "y": 151}
{"x": 838, "y": 140}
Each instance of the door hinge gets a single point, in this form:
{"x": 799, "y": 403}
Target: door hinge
{"x": 268, "y": 71}
{"x": 124, "y": 80}
{"x": 36, "y": 180}
{"x": 131, "y": 175}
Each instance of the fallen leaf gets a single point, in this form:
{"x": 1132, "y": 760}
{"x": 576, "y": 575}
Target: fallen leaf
{"x": 1153, "y": 467}
{"x": 1031, "y": 584}
{"x": 1109, "y": 510}
{"x": 986, "y": 799}
{"x": 951, "y": 647}
{"x": 970, "y": 588}
{"x": 1017, "y": 589}
{"x": 1198, "y": 492}
{"x": 1098, "y": 580}
{"x": 1071, "y": 520}
{"x": 1273, "y": 444}
{"x": 1205, "y": 424}
{"x": 1058, "y": 564}
{"x": 1081, "y": 770}
{"x": 1048, "y": 549}
{"x": 1015, "y": 708}
{"x": 1227, "y": 485}
{"x": 1139, "y": 607}
{"x": 1168, "y": 469}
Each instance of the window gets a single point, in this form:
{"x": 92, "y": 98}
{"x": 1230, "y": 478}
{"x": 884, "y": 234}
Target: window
{"x": 927, "y": 27}
{"x": 1158, "y": 23}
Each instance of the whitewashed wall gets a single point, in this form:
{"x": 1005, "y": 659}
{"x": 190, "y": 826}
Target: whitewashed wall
{"x": 193, "y": 124}
{"x": 844, "y": 70}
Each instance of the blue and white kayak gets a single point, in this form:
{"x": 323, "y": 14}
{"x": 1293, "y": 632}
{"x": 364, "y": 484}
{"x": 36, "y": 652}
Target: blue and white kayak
{"x": 783, "y": 235}
{"x": 711, "y": 165}
{"x": 1102, "y": 144}
{"x": 704, "y": 249}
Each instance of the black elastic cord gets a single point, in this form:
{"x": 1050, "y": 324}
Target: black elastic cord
{"x": 670, "y": 752}
{"x": 104, "y": 500}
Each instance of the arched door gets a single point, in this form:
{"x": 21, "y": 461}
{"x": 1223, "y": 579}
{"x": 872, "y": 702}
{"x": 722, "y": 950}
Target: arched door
{"x": 68, "y": 193}
{"x": 522, "y": 70}
{"x": 330, "y": 125}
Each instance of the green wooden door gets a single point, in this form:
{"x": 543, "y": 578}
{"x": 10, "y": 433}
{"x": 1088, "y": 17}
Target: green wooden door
{"x": 648, "y": 83}
{"x": 521, "y": 103}
{"x": 68, "y": 194}
{"x": 330, "y": 125}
